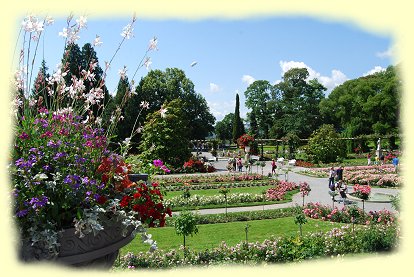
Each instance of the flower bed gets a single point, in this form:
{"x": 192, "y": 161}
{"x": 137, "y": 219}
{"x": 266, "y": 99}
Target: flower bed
{"x": 347, "y": 214}
{"x": 339, "y": 241}
{"x": 218, "y": 185}
{"x": 278, "y": 192}
{"x": 382, "y": 176}
{"x": 208, "y": 179}
{"x": 199, "y": 200}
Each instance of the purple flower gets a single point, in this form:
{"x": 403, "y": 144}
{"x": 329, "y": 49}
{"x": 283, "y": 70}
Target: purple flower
{"x": 59, "y": 155}
{"x": 21, "y": 163}
{"x": 38, "y": 203}
{"x": 73, "y": 180}
{"x": 24, "y": 136}
{"x": 79, "y": 160}
{"x": 158, "y": 163}
{"x": 53, "y": 144}
{"x": 47, "y": 167}
{"x": 21, "y": 213}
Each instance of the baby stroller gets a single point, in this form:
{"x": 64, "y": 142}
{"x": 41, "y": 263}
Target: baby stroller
{"x": 343, "y": 190}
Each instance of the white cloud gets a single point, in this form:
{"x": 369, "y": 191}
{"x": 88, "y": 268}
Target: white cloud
{"x": 221, "y": 108}
{"x": 389, "y": 53}
{"x": 214, "y": 87}
{"x": 248, "y": 79}
{"x": 330, "y": 82}
{"x": 374, "y": 70}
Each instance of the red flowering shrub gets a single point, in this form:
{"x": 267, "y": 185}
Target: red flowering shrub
{"x": 146, "y": 201}
{"x": 304, "y": 164}
{"x": 192, "y": 166}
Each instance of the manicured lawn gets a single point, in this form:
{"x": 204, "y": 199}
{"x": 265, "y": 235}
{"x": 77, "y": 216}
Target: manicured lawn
{"x": 211, "y": 235}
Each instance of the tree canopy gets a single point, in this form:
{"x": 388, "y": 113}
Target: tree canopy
{"x": 365, "y": 105}
{"x": 159, "y": 87}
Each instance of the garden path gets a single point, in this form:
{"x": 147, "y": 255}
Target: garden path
{"x": 318, "y": 193}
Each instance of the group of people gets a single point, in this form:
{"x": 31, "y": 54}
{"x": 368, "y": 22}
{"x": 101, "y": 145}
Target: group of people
{"x": 235, "y": 164}
{"x": 336, "y": 182}
{"x": 381, "y": 161}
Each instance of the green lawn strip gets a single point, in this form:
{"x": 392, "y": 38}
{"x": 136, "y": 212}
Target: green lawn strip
{"x": 211, "y": 235}
{"x": 211, "y": 192}
{"x": 288, "y": 198}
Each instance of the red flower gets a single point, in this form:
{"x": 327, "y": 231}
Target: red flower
{"x": 137, "y": 195}
{"x": 101, "y": 199}
{"x": 125, "y": 201}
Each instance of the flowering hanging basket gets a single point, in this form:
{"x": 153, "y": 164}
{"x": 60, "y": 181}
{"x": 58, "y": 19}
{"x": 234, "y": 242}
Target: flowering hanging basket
{"x": 245, "y": 140}
{"x": 99, "y": 251}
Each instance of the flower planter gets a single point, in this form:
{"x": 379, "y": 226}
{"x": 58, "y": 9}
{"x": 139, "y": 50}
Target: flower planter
{"x": 138, "y": 177}
{"x": 373, "y": 198}
{"x": 95, "y": 251}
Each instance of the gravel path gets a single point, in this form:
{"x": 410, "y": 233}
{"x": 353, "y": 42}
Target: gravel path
{"x": 319, "y": 191}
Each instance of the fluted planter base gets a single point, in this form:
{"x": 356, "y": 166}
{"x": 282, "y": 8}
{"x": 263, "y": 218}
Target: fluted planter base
{"x": 97, "y": 251}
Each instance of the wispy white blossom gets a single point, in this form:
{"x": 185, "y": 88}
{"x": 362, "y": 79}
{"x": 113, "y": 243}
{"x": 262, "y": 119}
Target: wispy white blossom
{"x": 144, "y": 105}
{"x": 153, "y": 44}
{"x": 127, "y": 31}
{"x": 122, "y": 73}
{"x": 97, "y": 41}
{"x": 148, "y": 63}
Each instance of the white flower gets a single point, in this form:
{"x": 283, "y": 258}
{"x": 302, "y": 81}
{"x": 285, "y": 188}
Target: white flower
{"x": 163, "y": 112}
{"x": 144, "y": 105}
{"x": 127, "y": 31}
{"x": 32, "y": 24}
{"x": 64, "y": 33}
{"x": 82, "y": 22}
{"x": 122, "y": 73}
{"x": 49, "y": 20}
{"x": 153, "y": 44}
{"x": 97, "y": 41}
{"x": 127, "y": 141}
{"x": 148, "y": 63}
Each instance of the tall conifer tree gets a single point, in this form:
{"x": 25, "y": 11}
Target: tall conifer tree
{"x": 238, "y": 127}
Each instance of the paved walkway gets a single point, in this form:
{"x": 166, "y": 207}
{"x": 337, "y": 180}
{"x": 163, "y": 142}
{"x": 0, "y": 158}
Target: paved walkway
{"x": 319, "y": 191}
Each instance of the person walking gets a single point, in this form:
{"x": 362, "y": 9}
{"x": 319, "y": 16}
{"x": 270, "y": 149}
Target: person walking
{"x": 395, "y": 162}
{"x": 382, "y": 159}
{"x": 240, "y": 164}
{"x": 274, "y": 166}
{"x": 339, "y": 173}
{"x": 332, "y": 174}
{"x": 369, "y": 158}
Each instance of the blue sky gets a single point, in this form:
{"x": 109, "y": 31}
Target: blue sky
{"x": 230, "y": 54}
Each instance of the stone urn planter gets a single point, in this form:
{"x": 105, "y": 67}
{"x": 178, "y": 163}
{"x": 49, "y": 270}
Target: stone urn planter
{"x": 95, "y": 251}
{"x": 135, "y": 177}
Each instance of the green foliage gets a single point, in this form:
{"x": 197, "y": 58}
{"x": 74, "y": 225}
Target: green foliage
{"x": 396, "y": 202}
{"x": 366, "y": 105}
{"x": 238, "y": 127}
{"x": 297, "y": 104}
{"x": 258, "y": 95}
{"x": 185, "y": 224}
{"x": 324, "y": 145}
{"x": 224, "y": 128}
{"x": 159, "y": 87}
{"x": 165, "y": 136}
